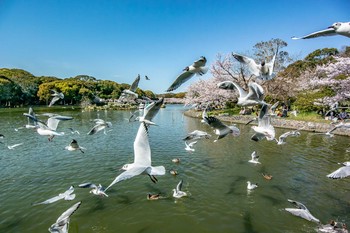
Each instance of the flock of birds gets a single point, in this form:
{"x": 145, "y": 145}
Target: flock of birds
{"x": 142, "y": 151}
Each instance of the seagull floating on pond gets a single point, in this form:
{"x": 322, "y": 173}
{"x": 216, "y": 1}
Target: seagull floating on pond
{"x": 301, "y": 211}
{"x": 67, "y": 195}
{"x": 62, "y": 223}
{"x": 142, "y": 159}
{"x": 220, "y": 128}
{"x": 95, "y": 189}
{"x": 255, "y": 95}
{"x": 251, "y": 186}
{"x": 198, "y": 67}
{"x": 339, "y": 28}
{"x": 341, "y": 172}
{"x": 263, "y": 71}
{"x": 255, "y": 158}
{"x": 56, "y": 96}
{"x": 73, "y": 146}
{"x": 177, "y": 192}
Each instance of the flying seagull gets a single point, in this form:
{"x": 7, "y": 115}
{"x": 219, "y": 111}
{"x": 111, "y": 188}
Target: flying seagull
{"x": 146, "y": 77}
{"x": 62, "y": 223}
{"x": 220, "y": 128}
{"x": 255, "y": 158}
{"x": 100, "y": 125}
{"x": 198, "y": 67}
{"x": 189, "y": 146}
{"x": 282, "y": 139}
{"x": 263, "y": 71}
{"x": 56, "y": 96}
{"x": 339, "y": 28}
{"x": 67, "y": 195}
{"x": 95, "y": 189}
{"x": 196, "y": 134}
{"x": 73, "y": 146}
{"x": 254, "y": 96}
{"x": 341, "y": 172}
{"x": 301, "y": 211}
{"x": 150, "y": 111}
{"x": 264, "y": 128}
{"x": 133, "y": 87}
{"x": 142, "y": 159}
{"x": 177, "y": 192}
{"x": 11, "y": 147}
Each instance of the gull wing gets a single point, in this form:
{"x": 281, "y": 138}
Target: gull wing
{"x": 96, "y": 128}
{"x": 74, "y": 144}
{"x": 231, "y": 85}
{"x": 134, "y": 171}
{"x": 54, "y": 100}
{"x": 135, "y": 84}
{"x": 179, "y": 186}
{"x": 215, "y": 123}
{"x": 256, "y": 92}
{"x": 325, "y": 32}
{"x": 271, "y": 64}
{"x": 67, "y": 195}
{"x": 87, "y": 185}
{"x": 152, "y": 109}
{"x": 340, "y": 173}
{"x": 52, "y": 122}
{"x": 142, "y": 149}
{"x": 253, "y": 67}
{"x": 62, "y": 223}
{"x": 182, "y": 78}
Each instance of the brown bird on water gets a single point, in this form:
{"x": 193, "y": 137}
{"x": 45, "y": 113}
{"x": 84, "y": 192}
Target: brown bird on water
{"x": 266, "y": 176}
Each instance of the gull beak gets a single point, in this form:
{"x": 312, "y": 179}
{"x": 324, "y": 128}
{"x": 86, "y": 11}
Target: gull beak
{"x": 331, "y": 27}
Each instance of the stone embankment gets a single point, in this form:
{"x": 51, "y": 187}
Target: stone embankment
{"x": 277, "y": 122}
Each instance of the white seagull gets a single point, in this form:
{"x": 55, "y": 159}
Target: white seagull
{"x": 142, "y": 159}
{"x": 133, "y": 87}
{"x": 189, "y": 146}
{"x": 220, "y": 128}
{"x": 100, "y": 125}
{"x": 198, "y": 67}
{"x": 150, "y": 111}
{"x": 263, "y": 71}
{"x": 32, "y": 122}
{"x": 95, "y": 189}
{"x": 301, "y": 211}
{"x": 282, "y": 139}
{"x": 251, "y": 186}
{"x": 196, "y": 134}
{"x": 339, "y": 28}
{"x": 15, "y": 145}
{"x": 67, "y": 195}
{"x": 341, "y": 172}
{"x": 177, "y": 193}
{"x": 73, "y": 146}
{"x": 254, "y": 97}
{"x": 62, "y": 223}
{"x": 56, "y": 96}
{"x": 264, "y": 128}
{"x": 255, "y": 158}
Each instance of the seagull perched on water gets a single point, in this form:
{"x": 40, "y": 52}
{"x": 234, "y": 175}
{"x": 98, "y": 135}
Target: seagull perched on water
{"x": 255, "y": 95}
{"x": 100, "y": 125}
{"x": 198, "y": 67}
{"x": 73, "y": 146}
{"x": 339, "y": 28}
{"x": 142, "y": 159}
{"x": 62, "y": 223}
{"x": 333, "y": 227}
{"x": 264, "y": 128}
{"x": 56, "y": 96}
{"x": 263, "y": 71}
{"x": 255, "y": 158}
{"x": 251, "y": 186}
{"x": 177, "y": 192}
{"x": 67, "y": 195}
{"x": 220, "y": 128}
{"x": 133, "y": 88}
{"x": 301, "y": 211}
{"x": 341, "y": 172}
{"x": 196, "y": 134}
{"x": 95, "y": 189}
{"x": 282, "y": 139}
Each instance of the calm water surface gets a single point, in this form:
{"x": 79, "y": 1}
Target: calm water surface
{"x": 215, "y": 176}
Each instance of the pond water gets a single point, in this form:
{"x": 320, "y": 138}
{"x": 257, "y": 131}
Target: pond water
{"x": 215, "y": 175}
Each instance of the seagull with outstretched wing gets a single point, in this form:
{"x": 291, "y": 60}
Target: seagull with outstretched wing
{"x": 339, "y": 28}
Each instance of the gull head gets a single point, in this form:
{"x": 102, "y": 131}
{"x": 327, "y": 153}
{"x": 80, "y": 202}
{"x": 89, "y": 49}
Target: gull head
{"x": 335, "y": 25}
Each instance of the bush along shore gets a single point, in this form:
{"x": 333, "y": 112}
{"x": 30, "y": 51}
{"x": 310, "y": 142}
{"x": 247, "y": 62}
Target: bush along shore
{"x": 277, "y": 122}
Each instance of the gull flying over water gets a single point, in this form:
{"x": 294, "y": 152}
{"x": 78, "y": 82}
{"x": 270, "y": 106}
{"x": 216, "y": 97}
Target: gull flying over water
{"x": 339, "y": 28}
{"x": 282, "y": 139}
{"x": 255, "y": 158}
{"x": 254, "y": 96}
{"x": 73, "y": 146}
{"x": 177, "y": 192}
{"x": 263, "y": 71}
{"x": 264, "y": 128}
{"x": 62, "y": 223}
{"x": 67, "y": 195}
{"x": 220, "y": 128}
{"x": 198, "y": 67}
{"x": 95, "y": 189}
{"x": 150, "y": 111}
{"x": 56, "y": 96}
{"x": 301, "y": 211}
{"x": 189, "y": 146}
{"x": 196, "y": 134}
{"x": 133, "y": 88}
{"x": 100, "y": 125}
{"x": 341, "y": 172}
{"x": 142, "y": 159}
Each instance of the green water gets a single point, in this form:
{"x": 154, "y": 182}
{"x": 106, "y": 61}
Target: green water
{"x": 215, "y": 176}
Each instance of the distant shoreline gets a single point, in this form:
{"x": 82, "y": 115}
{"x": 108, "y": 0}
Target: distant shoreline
{"x": 277, "y": 122}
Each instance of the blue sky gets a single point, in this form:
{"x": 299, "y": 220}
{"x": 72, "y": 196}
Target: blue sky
{"x": 116, "y": 40}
